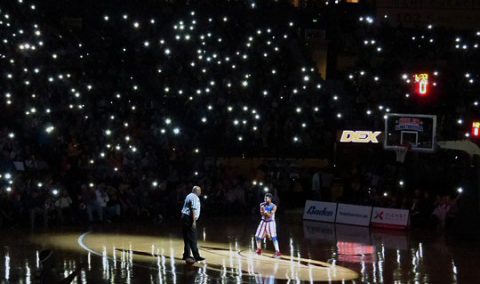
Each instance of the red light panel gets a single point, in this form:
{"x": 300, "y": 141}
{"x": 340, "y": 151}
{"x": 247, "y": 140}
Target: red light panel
{"x": 476, "y": 129}
{"x": 421, "y": 84}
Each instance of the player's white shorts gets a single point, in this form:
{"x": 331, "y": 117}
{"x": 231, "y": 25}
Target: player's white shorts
{"x": 266, "y": 228}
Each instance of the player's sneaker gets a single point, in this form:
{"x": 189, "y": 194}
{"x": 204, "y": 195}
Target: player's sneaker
{"x": 259, "y": 251}
{"x": 277, "y": 254}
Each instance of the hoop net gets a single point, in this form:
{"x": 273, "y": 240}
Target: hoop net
{"x": 401, "y": 153}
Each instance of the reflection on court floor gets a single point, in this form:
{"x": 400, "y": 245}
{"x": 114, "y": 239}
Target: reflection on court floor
{"x": 148, "y": 254}
{"x": 228, "y": 261}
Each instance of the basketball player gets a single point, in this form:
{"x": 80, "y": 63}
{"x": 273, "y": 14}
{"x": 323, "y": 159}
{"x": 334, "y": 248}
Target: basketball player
{"x": 267, "y": 227}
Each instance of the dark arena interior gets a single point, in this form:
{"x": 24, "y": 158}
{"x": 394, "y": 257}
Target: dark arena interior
{"x": 240, "y": 141}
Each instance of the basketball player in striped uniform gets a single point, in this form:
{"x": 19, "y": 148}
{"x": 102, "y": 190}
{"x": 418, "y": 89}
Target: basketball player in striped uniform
{"x": 267, "y": 227}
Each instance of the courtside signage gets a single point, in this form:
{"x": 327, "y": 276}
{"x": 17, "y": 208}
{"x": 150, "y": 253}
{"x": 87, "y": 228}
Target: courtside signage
{"x": 320, "y": 211}
{"x": 353, "y": 214}
{"x": 351, "y": 136}
{"x": 390, "y": 218}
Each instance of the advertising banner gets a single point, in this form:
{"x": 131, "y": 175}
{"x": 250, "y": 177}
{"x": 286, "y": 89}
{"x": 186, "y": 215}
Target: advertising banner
{"x": 353, "y": 214}
{"x": 320, "y": 211}
{"x": 390, "y": 218}
{"x": 360, "y": 136}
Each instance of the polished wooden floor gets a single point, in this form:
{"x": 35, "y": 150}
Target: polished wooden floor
{"x": 313, "y": 252}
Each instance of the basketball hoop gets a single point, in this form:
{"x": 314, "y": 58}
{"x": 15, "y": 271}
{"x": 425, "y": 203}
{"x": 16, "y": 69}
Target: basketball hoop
{"x": 401, "y": 152}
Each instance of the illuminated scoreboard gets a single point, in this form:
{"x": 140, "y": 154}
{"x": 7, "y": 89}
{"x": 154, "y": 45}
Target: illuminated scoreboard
{"x": 476, "y": 129}
{"x": 421, "y": 84}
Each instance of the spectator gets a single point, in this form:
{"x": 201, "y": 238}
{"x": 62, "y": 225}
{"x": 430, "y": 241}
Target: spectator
{"x": 63, "y": 205}
{"x": 36, "y": 207}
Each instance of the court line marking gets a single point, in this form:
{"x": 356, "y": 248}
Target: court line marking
{"x": 82, "y": 244}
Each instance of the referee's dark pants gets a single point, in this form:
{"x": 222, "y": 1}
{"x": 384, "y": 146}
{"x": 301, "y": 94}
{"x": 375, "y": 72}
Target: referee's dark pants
{"x": 189, "y": 237}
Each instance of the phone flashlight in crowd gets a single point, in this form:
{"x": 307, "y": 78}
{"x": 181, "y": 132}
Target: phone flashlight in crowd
{"x": 460, "y": 189}
{"x": 49, "y": 129}
{"x": 55, "y": 192}
{"x": 265, "y": 189}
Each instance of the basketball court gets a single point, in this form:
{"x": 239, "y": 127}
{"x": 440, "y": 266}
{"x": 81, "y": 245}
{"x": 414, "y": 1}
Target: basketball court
{"x": 312, "y": 252}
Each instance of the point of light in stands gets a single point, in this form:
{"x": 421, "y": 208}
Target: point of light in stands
{"x": 49, "y": 129}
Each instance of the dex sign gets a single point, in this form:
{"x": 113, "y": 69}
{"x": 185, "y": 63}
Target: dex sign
{"x": 350, "y": 136}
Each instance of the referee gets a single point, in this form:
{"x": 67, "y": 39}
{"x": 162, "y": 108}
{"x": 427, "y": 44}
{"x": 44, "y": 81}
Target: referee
{"x": 190, "y": 214}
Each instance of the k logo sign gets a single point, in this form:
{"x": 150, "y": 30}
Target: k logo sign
{"x": 378, "y": 215}
{"x": 349, "y": 136}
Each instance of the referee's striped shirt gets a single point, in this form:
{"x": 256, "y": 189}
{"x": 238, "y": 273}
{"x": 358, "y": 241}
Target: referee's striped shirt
{"x": 192, "y": 199}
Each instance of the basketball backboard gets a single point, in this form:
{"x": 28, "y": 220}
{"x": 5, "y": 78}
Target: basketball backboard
{"x": 416, "y": 130}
